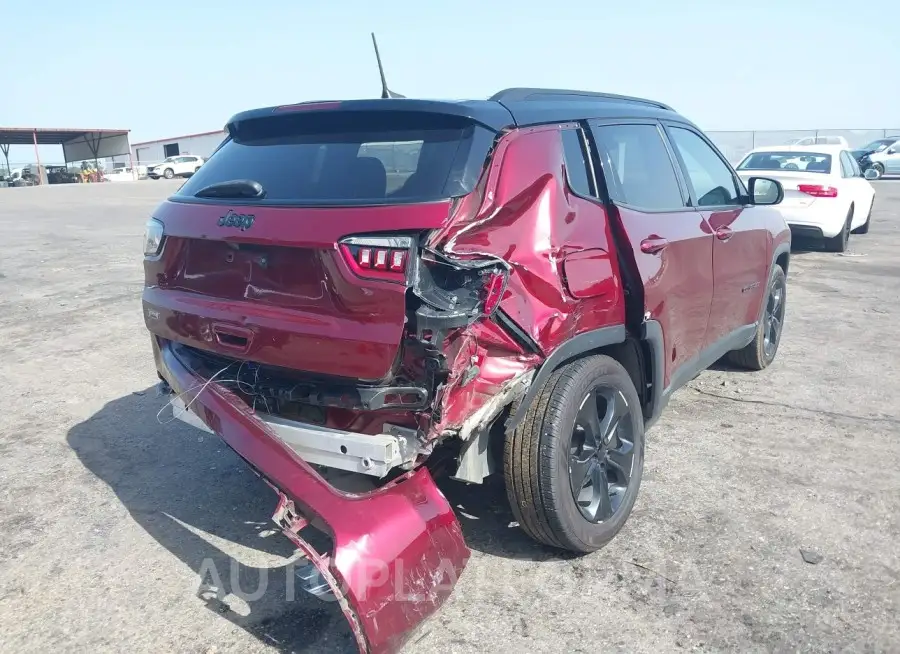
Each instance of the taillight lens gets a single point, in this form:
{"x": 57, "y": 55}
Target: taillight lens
{"x": 818, "y": 190}
{"x": 377, "y": 257}
{"x": 153, "y": 237}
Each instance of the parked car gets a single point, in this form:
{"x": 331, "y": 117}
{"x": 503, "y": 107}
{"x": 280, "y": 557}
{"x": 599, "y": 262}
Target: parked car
{"x": 181, "y": 166}
{"x": 881, "y": 155}
{"x": 826, "y": 199}
{"x": 61, "y": 175}
{"x": 820, "y": 140}
{"x": 120, "y": 175}
{"x": 522, "y": 295}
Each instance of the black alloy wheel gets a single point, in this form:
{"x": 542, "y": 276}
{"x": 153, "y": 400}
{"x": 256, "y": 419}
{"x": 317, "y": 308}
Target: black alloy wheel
{"x": 601, "y": 454}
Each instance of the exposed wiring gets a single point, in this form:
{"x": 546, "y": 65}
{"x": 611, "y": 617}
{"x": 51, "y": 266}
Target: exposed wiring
{"x": 187, "y": 407}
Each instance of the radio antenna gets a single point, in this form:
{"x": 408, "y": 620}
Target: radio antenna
{"x": 385, "y": 91}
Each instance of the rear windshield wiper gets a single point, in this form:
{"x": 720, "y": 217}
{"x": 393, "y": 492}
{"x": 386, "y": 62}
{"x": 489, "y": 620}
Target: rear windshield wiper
{"x": 235, "y": 188}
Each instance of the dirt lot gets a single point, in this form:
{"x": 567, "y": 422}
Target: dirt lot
{"x": 108, "y": 518}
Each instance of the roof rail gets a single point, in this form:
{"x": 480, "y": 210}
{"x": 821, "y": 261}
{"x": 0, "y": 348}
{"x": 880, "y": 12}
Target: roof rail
{"x": 566, "y": 95}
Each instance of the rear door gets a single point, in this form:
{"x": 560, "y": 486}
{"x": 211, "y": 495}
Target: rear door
{"x": 309, "y": 269}
{"x": 741, "y": 238}
{"x": 671, "y": 243}
{"x": 861, "y": 190}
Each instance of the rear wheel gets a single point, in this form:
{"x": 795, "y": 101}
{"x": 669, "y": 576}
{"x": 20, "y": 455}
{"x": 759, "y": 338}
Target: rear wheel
{"x": 573, "y": 467}
{"x": 761, "y": 351}
{"x": 838, "y": 243}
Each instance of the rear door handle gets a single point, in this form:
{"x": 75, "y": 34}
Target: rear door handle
{"x": 653, "y": 244}
{"x": 724, "y": 233}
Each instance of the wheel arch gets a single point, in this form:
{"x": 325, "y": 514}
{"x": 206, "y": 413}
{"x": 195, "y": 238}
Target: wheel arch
{"x": 614, "y": 341}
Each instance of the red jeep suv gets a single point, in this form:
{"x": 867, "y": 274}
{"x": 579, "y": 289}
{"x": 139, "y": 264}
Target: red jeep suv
{"x": 356, "y": 295}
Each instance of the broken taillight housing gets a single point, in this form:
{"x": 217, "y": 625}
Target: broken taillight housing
{"x": 377, "y": 257}
{"x": 494, "y": 286}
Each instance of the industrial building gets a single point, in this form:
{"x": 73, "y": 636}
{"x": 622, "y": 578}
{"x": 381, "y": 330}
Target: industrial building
{"x": 153, "y": 152}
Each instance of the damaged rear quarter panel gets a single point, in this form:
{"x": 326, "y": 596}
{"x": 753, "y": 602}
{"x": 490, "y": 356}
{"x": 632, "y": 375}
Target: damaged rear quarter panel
{"x": 534, "y": 222}
{"x": 564, "y": 275}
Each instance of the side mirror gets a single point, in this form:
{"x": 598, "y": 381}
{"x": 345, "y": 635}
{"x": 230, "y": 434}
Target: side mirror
{"x": 870, "y": 173}
{"x": 765, "y": 191}
{"x": 891, "y": 151}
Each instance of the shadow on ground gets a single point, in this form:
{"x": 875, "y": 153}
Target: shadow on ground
{"x": 176, "y": 481}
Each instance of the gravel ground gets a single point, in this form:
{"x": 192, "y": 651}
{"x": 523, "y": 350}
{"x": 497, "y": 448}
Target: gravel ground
{"x": 108, "y": 519}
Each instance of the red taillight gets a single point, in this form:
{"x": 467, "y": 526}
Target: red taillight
{"x": 494, "y": 285}
{"x": 818, "y": 191}
{"x": 377, "y": 257}
{"x": 398, "y": 260}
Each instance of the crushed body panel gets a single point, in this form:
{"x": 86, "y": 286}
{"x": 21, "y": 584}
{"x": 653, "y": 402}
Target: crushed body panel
{"x": 398, "y": 550}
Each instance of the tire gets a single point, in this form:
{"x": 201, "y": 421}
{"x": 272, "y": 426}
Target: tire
{"x": 539, "y": 464}
{"x": 168, "y": 173}
{"x": 878, "y": 168}
{"x": 838, "y": 243}
{"x": 864, "y": 228}
{"x": 759, "y": 354}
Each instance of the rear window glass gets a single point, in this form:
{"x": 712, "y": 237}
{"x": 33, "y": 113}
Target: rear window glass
{"x": 811, "y": 162}
{"x": 347, "y": 157}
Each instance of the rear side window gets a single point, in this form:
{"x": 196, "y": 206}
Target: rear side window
{"x": 576, "y": 162}
{"x": 711, "y": 178}
{"x": 638, "y": 168}
{"x": 343, "y": 157}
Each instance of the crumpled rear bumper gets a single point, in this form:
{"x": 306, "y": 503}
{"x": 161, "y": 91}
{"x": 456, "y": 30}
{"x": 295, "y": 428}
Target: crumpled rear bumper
{"x": 398, "y": 551}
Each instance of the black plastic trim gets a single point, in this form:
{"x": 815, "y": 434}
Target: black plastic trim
{"x": 515, "y": 332}
{"x": 567, "y": 95}
{"x": 739, "y": 338}
{"x": 653, "y": 335}
{"x": 572, "y": 348}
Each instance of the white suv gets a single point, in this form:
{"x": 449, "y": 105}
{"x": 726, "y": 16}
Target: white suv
{"x": 183, "y": 165}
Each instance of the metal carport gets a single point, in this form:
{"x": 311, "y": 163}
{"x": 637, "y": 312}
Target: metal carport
{"x": 77, "y": 144}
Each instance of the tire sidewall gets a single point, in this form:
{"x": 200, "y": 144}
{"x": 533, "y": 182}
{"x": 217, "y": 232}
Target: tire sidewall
{"x": 777, "y": 273}
{"x": 574, "y": 524}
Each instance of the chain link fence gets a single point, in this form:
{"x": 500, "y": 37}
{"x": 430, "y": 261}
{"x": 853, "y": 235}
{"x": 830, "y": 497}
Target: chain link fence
{"x": 735, "y": 144}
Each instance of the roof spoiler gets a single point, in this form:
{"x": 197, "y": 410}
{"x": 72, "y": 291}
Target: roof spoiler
{"x": 385, "y": 91}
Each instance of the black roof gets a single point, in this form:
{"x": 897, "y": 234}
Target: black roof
{"x": 516, "y": 107}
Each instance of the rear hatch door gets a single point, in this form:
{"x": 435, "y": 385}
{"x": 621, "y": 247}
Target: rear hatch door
{"x": 291, "y": 245}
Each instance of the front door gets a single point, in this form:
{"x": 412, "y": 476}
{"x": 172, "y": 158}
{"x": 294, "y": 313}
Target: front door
{"x": 740, "y": 244}
{"x": 671, "y": 243}
{"x": 891, "y": 159}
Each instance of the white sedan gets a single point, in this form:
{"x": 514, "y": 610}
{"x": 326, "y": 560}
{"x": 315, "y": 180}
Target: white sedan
{"x": 826, "y": 196}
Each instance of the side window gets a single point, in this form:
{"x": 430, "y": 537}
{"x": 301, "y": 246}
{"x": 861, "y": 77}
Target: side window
{"x": 576, "y": 162}
{"x": 710, "y": 177}
{"x": 845, "y": 171}
{"x": 637, "y": 166}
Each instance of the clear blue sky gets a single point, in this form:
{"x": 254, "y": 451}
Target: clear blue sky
{"x": 164, "y": 69}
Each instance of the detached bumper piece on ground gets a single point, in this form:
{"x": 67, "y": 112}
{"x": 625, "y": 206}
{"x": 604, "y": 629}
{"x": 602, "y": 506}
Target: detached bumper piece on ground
{"x": 398, "y": 551}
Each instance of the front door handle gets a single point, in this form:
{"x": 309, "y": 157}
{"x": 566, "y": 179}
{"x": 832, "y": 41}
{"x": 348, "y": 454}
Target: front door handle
{"x": 653, "y": 244}
{"x": 724, "y": 233}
